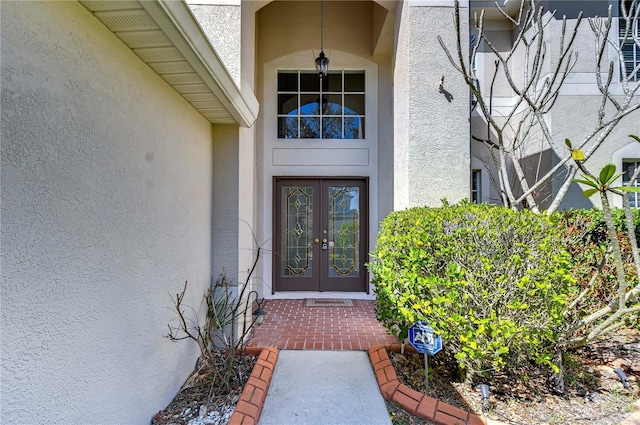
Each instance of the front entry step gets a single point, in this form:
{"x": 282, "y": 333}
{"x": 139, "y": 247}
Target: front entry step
{"x": 291, "y": 325}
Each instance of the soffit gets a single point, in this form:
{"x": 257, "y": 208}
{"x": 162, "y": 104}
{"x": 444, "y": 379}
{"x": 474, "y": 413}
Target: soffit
{"x": 166, "y": 36}
{"x": 491, "y": 12}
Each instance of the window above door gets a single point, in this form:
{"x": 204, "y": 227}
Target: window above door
{"x": 313, "y": 108}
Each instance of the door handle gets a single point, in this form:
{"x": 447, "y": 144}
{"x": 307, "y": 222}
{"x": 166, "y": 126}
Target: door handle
{"x": 317, "y": 240}
{"x": 324, "y": 241}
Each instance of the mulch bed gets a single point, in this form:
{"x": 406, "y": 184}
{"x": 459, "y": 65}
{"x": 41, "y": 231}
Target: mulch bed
{"x": 595, "y": 393}
{"x": 200, "y": 402}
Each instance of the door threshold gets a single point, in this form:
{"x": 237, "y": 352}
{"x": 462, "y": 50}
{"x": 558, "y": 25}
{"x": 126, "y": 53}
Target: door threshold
{"x": 300, "y": 295}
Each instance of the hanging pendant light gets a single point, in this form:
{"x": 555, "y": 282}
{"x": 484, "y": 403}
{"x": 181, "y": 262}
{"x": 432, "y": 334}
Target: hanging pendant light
{"x": 322, "y": 62}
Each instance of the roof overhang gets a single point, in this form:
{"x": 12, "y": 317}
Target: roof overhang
{"x": 167, "y": 37}
{"x": 491, "y": 12}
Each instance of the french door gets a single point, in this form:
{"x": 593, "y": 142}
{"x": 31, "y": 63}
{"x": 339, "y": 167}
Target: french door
{"x": 320, "y": 235}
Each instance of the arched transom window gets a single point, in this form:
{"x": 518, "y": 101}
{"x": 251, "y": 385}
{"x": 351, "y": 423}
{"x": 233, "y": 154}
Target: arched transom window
{"x": 321, "y": 108}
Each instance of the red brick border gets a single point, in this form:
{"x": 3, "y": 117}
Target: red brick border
{"x": 249, "y": 407}
{"x": 412, "y": 401}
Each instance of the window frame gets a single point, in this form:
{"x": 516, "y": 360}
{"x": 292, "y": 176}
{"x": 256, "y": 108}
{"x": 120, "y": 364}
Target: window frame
{"x": 321, "y": 115}
{"x": 627, "y": 66}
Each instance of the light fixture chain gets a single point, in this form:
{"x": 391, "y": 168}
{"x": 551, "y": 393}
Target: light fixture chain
{"x": 321, "y": 25}
{"x": 322, "y": 61}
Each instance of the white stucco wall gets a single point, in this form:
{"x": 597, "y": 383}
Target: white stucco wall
{"x": 220, "y": 20}
{"x": 106, "y": 211}
{"x": 436, "y": 152}
{"x": 225, "y": 206}
{"x": 401, "y": 122}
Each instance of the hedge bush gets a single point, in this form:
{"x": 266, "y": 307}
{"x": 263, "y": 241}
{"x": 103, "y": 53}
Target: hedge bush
{"x": 590, "y": 223}
{"x": 586, "y": 240}
{"x": 491, "y": 281}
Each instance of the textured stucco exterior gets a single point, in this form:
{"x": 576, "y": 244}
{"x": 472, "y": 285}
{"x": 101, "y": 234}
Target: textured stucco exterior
{"x": 401, "y": 122}
{"x": 225, "y": 206}
{"x": 106, "y": 212}
{"x": 434, "y": 160}
{"x": 221, "y": 24}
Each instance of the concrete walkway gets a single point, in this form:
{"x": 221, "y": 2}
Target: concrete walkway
{"x": 324, "y": 387}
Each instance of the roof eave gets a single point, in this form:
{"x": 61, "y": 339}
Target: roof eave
{"x": 180, "y": 26}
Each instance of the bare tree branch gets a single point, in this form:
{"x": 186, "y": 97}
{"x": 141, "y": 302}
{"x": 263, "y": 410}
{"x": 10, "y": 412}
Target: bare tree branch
{"x": 535, "y": 93}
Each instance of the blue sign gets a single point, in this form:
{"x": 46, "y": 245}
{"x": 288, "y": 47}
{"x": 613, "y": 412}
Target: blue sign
{"x": 423, "y": 339}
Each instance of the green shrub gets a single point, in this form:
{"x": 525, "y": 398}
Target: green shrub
{"x": 491, "y": 281}
{"x": 586, "y": 240}
{"x": 590, "y": 223}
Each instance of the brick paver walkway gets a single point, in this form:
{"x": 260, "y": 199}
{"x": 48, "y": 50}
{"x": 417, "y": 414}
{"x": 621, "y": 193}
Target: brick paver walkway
{"x": 290, "y": 325}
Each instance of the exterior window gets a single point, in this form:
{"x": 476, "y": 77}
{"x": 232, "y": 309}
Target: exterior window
{"x": 630, "y": 50}
{"x": 629, "y": 167}
{"x": 321, "y": 108}
{"x": 476, "y": 184}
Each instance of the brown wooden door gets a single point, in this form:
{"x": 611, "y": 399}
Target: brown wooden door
{"x": 320, "y": 235}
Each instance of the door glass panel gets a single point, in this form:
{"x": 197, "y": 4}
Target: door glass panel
{"x": 297, "y": 230}
{"x": 344, "y": 234}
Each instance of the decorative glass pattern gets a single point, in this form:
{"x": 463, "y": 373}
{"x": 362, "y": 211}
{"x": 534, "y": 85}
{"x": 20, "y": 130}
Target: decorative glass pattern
{"x": 327, "y": 108}
{"x": 344, "y": 233}
{"x": 297, "y": 230}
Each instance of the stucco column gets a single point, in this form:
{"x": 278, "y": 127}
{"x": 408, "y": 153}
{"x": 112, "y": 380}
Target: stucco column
{"x": 225, "y": 201}
{"x": 247, "y": 173}
{"x": 431, "y": 128}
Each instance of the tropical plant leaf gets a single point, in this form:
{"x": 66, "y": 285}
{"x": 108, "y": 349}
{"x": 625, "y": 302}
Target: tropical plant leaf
{"x": 614, "y": 177}
{"x": 590, "y": 192}
{"x": 577, "y": 155}
{"x": 568, "y": 143}
{"x": 589, "y": 181}
{"x": 636, "y": 138}
{"x": 607, "y": 172}
{"x": 629, "y": 188}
